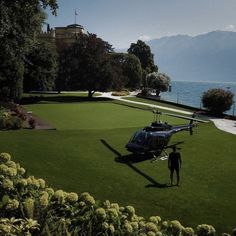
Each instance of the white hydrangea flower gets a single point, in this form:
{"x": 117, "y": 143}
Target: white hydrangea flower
{"x": 7, "y": 184}
{"x": 4, "y": 157}
{"x": 72, "y": 197}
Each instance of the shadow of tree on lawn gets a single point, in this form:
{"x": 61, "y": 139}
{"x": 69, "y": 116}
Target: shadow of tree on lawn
{"x": 61, "y": 99}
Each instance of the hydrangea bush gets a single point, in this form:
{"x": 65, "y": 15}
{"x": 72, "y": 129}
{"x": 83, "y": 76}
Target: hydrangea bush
{"x": 29, "y": 207}
{"x": 10, "y": 121}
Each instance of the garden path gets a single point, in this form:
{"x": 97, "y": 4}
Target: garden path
{"x": 222, "y": 124}
{"x": 109, "y": 95}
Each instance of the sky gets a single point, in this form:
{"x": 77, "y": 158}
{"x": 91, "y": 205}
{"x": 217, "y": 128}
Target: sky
{"x": 122, "y": 22}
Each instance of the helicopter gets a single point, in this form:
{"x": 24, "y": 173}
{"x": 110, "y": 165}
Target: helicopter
{"x": 154, "y": 139}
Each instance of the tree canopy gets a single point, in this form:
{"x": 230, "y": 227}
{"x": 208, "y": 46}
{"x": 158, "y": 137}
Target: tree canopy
{"x": 41, "y": 69}
{"x": 217, "y": 100}
{"x": 126, "y": 70}
{"x": 85, "y": 65}
{"x": 158, "y": 81}
{"x": 143, "y": 52}
{"x": 20, "y": 23}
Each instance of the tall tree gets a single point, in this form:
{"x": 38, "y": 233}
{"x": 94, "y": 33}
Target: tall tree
{"x": 127, "y": 71}
{"x": 41, "y": 69}
{"x": 133, "y": 70}
{"x": 143, "y": 52}
{"x": 20, "y": 23}
{"x": 85, "y": 64}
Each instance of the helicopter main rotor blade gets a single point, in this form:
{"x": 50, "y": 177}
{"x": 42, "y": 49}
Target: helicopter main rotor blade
{"x": 156, "y": 112}
{"x": 185, "y": 117}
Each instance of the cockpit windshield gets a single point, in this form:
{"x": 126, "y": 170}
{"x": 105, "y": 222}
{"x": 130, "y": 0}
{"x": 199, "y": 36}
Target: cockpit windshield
{"x": 141, "y": 138}
{"x": 148, "y": 139}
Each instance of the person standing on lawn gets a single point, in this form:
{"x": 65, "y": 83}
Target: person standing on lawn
{"x": 174, "y": 164}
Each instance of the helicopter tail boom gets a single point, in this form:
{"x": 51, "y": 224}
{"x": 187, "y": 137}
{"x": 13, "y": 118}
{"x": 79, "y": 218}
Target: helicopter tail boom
{"x": 158, "y": 113}
{"x": 180, "y": 128}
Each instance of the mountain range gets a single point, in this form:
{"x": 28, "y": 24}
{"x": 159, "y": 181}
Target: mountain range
{"x": 206, "y": 57}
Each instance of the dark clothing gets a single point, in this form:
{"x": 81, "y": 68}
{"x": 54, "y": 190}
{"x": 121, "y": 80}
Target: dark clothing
{"x": 174, "y": 161}
{"x": 177, "y": 175}
{"x": 174, "y": 164}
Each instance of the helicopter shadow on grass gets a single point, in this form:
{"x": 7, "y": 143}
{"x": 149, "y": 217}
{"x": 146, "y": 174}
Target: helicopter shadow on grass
{"x": 129, "y": 160}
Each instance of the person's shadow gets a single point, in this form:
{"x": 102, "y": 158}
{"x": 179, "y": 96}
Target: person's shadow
{"x": 129, "y": 160}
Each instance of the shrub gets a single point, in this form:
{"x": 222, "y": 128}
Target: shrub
{"x": 217, "y": 101}
{"x": 158, "y": 81}
{"x": 205, "y": 230}
{"x": 121, "y": 93}
{"x": 175, "y": 228}
{"x": 14, "y": 123}
{"x": 14, "y": 226}
{"x": 9, "y": 121}
{"x": 188, "y": 232}
{"x": 32, "y": 122}
{"x": 4, "y": 157}
{"x": 145, "y": 92}
{"x": 22, "y": 116}
{"x": 4, "y": 117}
{"x": 16, "y": 108}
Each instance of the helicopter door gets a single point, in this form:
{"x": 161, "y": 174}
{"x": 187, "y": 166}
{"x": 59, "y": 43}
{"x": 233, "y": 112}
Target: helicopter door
{"x": 157, "y": 142}
{"x": 154, "y": 142}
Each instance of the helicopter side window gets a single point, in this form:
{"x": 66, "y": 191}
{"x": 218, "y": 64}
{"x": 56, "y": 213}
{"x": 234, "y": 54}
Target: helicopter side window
{"x": 135, "y": 137}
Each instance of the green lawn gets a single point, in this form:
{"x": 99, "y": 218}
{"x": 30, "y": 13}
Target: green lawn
{"x": 55, "y": 94}
{"x": 81, "y": 156}
{"x": 90, "y": 115}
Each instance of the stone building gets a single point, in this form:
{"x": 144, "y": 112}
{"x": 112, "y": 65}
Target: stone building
{"x": 65, "y": 35}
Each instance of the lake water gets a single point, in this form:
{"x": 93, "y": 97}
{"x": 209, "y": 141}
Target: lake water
{"x": 190, "y": 93}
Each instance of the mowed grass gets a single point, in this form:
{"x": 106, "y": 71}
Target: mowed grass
{"x": 148, "y": 101}
{"x": 55, "y": 94}
{"x": 81, "y": 156}
{"x": 90, "y": 115}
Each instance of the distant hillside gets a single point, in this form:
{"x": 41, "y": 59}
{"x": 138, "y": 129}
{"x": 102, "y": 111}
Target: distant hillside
{"x": 207, "y": 57}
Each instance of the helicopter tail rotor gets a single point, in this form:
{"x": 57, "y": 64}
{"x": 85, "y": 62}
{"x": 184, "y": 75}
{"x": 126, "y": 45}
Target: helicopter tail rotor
{"x": 192, "y": 123}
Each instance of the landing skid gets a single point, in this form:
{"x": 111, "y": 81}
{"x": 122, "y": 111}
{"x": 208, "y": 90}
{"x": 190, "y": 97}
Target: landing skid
{"x": 161, "y": 158}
